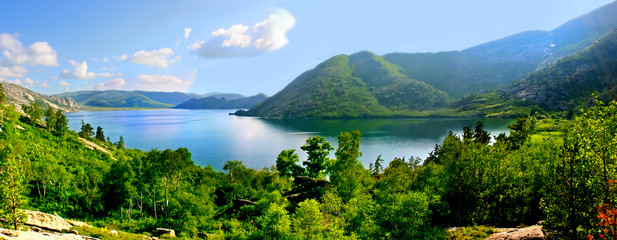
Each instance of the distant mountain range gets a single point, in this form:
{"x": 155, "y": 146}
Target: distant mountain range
{"x": 216, "y": 102}
{"x": 144, "y": 99}
{"x": 396, "y": 84}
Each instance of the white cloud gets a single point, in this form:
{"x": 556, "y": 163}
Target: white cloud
{"x": 108, "y": 69}
{"x": 115, "y": 83}
{"x": 162, "y": 82}
{"x": 80, "y": 71}
{"x": 121, "y": 58}
{"x": 195, "y": 45}
{"x": 154, "y": 58}
{"x": 105, "y": 59}
{"x": 187, "y": 32}
{"x": 14, "y": 81}
{"x": 14, "y": 53}
{"x": 42, "y": 84}
{"x": 29, "y": 82}
{"x": 246, "y": 41}
{"x": 64, "y": 84}
{"x": 12, "y": 72}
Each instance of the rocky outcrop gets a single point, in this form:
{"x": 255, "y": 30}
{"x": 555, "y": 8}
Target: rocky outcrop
{"x": 18, "y": 95}
{"x": 530, "y": 233}
{"x": 47, "y": 221}
{"x": 32, "y": 235}
{"x": 305, "y": 188}
{"x": 165, "y": 231}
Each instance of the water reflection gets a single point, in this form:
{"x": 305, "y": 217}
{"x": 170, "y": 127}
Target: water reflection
{"x": 214, "y": 137}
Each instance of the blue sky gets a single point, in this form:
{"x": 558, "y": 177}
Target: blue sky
{"x": 244, "y": 47}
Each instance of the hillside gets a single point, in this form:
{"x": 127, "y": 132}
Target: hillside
{"x": 18, "y": 95}
{"x": 360, "y": 85}
{"x": 569, "y": 83}
{"x": 503, "y": 61}
{"x": 214, "y": 102}
{"x": 117, "y": 98}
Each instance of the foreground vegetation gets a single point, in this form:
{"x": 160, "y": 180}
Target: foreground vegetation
{"x": 566, "y": 179}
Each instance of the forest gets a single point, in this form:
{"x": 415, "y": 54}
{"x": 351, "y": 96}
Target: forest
{"x": 558, "y": 171}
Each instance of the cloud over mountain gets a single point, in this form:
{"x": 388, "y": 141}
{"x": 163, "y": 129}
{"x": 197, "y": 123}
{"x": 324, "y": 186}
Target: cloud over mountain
{"x": 80, "y": 71}
{"x": 245, "y": 41}
{"x": 154, "y": 58}
{"x": 163, "y": 82}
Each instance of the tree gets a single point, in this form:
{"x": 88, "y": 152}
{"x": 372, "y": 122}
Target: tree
{"x": 286, "y": 164}
{"x": 86, "y": 130}
{"x": 585, "y": 175}
{"x": 12, "y": 186}
{"x": 275, "y": 223}
{"x": 34, "y": 110}
{"x": 346, "y": 172}
{"x": 50, "y": 118}
{"x": 317, "y": 149}
{"x": 61, "y": 123}
{"x": 99, "y": 134}
{"x": 480, "y": 135}
{"x": 308, "y": 219}
{"x": 120, "y": 143}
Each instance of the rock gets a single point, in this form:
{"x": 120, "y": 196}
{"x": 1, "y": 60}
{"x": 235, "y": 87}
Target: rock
{"x": 78, "y": 223}
{"x": 35, "y": 229}
{"x": 46, "y": 221}
{"x": 531, "y": 233}
{"x": 9, "y": 233}
{"x": 163, "y": 231}
{"x": 74, "y": 232}
{"x": 113, "y": 233}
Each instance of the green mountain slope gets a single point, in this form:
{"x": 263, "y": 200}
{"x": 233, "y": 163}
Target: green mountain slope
{"x": 569, "y": 83}
{"x": 138, "y": 99}
{"x": 503, "y": 61}
{"x": 359, "y": 85}
{"x": 563, "y": 86}
{"x": 222, "y": 103}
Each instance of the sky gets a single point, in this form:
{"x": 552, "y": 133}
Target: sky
{"x": 234, "y": 46}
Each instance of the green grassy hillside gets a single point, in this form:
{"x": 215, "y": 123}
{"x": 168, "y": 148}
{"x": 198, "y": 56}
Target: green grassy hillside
{"x": 359, "y": 85}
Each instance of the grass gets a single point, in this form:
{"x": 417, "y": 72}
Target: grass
{"x": 103, "y": 233}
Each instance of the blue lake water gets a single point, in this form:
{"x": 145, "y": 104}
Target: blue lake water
{"x": 213, "y": 136}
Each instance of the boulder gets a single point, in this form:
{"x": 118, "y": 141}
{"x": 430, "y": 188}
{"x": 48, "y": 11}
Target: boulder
{"x": 531, "y": 233}
{"x": 35, "y": 229}
{"x": 46, "y": 221}
{"x": 113, "y": 233}
{"x": 78, "y": 223}
{"x": 163, "y": 231}
{"x": 73, "y": 232}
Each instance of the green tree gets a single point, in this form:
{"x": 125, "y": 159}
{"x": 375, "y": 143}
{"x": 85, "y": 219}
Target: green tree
{"x": 480, "y": 135}
{"x": 317, "y": 149}
{"x": 275, "y": 222}
{"x": 403, "y": 215}
{"x": 286, "y": 164}
{"x": 308, "y": 219}
{"x": 346, "y": 172}
{"x": 585, "y": 175}
{"x": 99, "y": 134}
{"x": 120, "y": 144}
{"x": 50, "y": 118}
{"x": 61, "y": 123}
{"x": 34, "y": 110}
{"x": 86, "y": 130}
{"x": 12, "y": 186}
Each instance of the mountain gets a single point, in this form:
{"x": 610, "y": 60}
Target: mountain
{"x": 215, "y": 102}
{"x": 503, "y": 61}
{"x": 139, "y": 99}
{"x": 228, "y": 96}
{"x": 18, "y": 95}
{"x": 359, "y": 85}
{"x": 569, "y": 83}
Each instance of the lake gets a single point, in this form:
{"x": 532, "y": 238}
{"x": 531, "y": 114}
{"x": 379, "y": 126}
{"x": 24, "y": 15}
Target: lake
{"x": 213, "y": 136}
